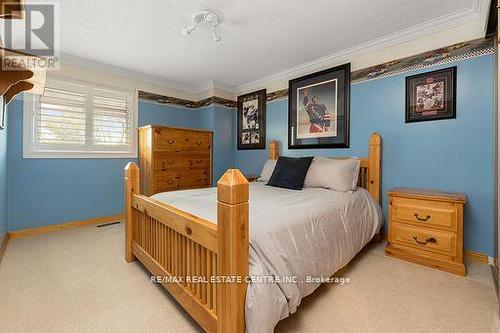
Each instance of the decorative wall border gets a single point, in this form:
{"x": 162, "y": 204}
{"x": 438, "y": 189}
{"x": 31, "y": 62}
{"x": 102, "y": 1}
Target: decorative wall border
{"x": 277, "y": 95}
{"x": 461, "y": 51}
{"x": 186, "y": 103}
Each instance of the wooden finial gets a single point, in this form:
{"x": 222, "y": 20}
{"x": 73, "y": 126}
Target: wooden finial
{"x": 375, "y": 139}
{"x": 232, "y": 250}
{"x": 132, "y": 187}
{"x": 232, "y": 187}
{"x": 375, "y": 171}
{"x": 131, "y": 170}
{"x": 274, "y": 150}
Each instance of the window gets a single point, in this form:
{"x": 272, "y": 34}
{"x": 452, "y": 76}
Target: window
{"x": 76, "y": 120}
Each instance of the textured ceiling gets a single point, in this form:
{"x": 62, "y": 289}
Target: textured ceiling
{"x": 260, "y": 37}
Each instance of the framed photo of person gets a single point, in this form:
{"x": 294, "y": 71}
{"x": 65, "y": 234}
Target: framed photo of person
{"x": 252, "y": 120}
{"x": 318, "y": 109}
{"x": 431, "y": 96}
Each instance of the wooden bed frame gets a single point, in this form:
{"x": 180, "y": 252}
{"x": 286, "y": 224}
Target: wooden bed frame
{"x": 176, "y": 245}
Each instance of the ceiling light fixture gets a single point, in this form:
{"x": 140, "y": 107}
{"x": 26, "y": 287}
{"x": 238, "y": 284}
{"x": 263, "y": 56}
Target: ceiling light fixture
{"x": 207, "y": 17}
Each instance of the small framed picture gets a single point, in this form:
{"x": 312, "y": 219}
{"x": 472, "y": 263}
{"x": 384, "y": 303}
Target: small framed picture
{"x": 431, "y": 96}
{"x": 318, "y": 109}
{"x": 252, "y": 120}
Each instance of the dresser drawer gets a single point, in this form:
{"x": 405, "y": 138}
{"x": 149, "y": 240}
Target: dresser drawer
{"x": 167, "y": 160}
{"x": 170, "y": 180}
{"x": 438, "y": 241}
{"x": 177, "y": 141}
{"x": 418, "y": 212}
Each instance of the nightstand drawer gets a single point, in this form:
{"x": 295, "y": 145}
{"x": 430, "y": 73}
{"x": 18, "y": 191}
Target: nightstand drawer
{"x": 425, "y": 212}
{"x": 438, "y": 241}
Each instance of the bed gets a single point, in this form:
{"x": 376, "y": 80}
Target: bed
{"x": 231, "y": 274}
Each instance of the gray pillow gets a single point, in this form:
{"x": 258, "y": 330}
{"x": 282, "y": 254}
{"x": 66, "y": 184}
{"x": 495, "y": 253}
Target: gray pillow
{"x": 334, "y": 174}
{"x": 267, "y": 171}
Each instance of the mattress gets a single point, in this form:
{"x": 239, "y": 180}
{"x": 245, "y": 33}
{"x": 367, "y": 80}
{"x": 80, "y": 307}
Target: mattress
{"x": 297, "y": 239}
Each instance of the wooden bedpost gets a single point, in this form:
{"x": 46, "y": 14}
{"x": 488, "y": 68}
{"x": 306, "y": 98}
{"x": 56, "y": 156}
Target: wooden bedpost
{"x": 232, "y": 256}
{"x": 274, "y": 150}
{"x": 132, "y": 186}
{"x": 375, "y": 173}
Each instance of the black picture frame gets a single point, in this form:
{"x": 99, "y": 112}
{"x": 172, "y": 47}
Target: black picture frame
{"x": 252, "y": 129}
{"x": 334, "y": 86}
{"x": 438, "y": 96}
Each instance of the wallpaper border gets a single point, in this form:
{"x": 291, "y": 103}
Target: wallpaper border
{"x": 456, "y": 52}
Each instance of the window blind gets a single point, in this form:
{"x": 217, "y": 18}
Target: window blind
{"x": 61, "y": 118}
{"x": 111, "y": 120}
{"x": 83, "y": 119}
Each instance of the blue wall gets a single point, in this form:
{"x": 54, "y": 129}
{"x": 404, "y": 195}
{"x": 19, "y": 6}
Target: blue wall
{"x": 53, "y": 191}
{"x": 450, "y": 155}
{"x": 3, "y": 183}
{"x": 220, "y": 120}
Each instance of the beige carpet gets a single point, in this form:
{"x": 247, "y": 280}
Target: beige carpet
{"x": 77, "y": 281}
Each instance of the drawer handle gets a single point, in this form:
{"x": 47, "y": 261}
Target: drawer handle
{"x": 423, "y": 219}
{"x": 198, "y": 161}
{"x": 170, "y": 181}
{"x": 427, "y": 240}
{"x": 170, "y": 162}
{"x": 170, "y": 141}
{"x": 199, "y": 143}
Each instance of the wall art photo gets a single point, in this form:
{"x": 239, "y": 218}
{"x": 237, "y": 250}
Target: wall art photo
{"x": 252, "y": 120}
{"x": 318, "y": 109}
{"x": 431, "y": 96}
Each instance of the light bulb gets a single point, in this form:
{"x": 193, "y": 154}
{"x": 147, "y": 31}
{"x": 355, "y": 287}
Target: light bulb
{"x": 210, "y": 17}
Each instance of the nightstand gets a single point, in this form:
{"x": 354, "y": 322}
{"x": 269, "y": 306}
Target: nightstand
{"x": 426, "y": 227}
{"x": 251, "y": 178}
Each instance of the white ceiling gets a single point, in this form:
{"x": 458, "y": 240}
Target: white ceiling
{"x": 260, "y": 37}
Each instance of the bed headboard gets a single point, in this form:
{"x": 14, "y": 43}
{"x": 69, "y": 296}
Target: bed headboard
{"x": 370, "y": 173}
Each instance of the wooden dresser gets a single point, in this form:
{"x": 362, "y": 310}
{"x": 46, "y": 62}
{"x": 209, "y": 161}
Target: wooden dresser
{"x": 426, "y": 227}
{"x": 174, "y": 158}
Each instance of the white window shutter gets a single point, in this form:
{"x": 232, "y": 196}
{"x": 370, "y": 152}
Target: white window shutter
{"x": 112, "y": 120}
{"x": 61, "y": 118}
{"x": 76, "y": 120}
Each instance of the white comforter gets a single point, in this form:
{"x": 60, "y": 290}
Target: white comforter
{"x": 313, "y": 232}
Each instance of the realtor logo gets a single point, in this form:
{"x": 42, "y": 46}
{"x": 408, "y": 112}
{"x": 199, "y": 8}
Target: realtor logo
{"x": 35, "y": 35}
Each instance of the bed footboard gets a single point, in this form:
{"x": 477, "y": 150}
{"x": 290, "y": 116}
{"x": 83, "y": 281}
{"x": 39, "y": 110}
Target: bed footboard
{"x": 203, "y": 265}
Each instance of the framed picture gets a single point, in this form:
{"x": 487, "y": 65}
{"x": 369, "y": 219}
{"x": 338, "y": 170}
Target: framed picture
{"x": 318, "y": 109}
{"x": 252, "y": 120}
{"x": 431, "y": 96}
{"x": 3, "y": 109}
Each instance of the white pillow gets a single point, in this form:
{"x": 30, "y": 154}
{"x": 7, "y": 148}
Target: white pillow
{"x": 334, "y": 174}
{"x": 267, "y": 171}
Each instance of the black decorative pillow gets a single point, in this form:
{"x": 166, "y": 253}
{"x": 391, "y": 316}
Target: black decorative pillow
{"x": 290, "y": 172}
